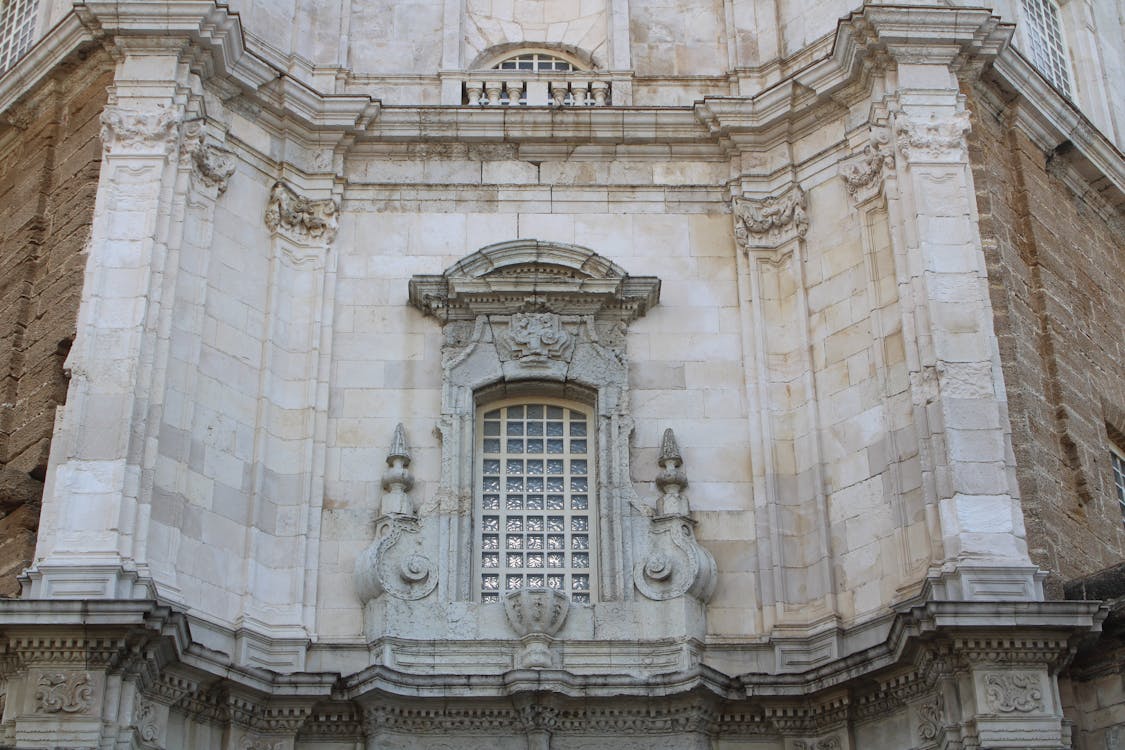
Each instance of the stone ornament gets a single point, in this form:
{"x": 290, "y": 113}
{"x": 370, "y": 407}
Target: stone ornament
{"x": 396, "y": 562}
{"x": 64, "y": 692}
{"x": 533, "y": 338}
{"x": 146, "y": 722}
{"x": 770, "y": 221}
{"x": 676, "y": 564}
{"x": 536, "y": 615}
{"x": 127, "y": 131}
{"x": 1013, "y": 692}
{"x": 863, "y": 174}
{"x": 930, "y": 719}
{"x": 301, "y": 217}
{"x": 212, "y": 165}
{"x": 932, "y": 140}
{"x": 253, "y": 742}
{"x": 827, "y": 743}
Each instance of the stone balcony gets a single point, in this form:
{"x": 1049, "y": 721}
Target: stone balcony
{"x": 504, "y": 88}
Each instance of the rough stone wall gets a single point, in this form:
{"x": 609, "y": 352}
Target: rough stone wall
{"x": 1055, "y": 258}
{"x": 50, "y": 155}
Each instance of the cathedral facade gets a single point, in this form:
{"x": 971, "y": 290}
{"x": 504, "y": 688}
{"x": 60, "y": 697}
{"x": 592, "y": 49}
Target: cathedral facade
{"x": 562, "y": 374}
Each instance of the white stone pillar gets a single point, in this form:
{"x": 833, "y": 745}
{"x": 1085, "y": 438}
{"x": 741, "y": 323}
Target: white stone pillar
{"x": 89, "y": 524}
{"x": 952, "y": 350}
{"x": 286, "y": 474}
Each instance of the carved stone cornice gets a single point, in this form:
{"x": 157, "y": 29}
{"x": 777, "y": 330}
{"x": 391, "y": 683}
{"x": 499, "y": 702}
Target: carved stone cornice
{"x": 140, "y": 132}
{"x": 304, "y": 219}
{"x": 770, "y": 221}
{"x": 934, "y": 140}
{"x": 529, "y": 277}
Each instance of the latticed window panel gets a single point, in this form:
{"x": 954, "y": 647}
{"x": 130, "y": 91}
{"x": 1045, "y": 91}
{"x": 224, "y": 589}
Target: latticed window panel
{"x": 17, "y": 30}
{"x": 536, "y": 500}
{"x": 1045, "y": 42}
{"x": 1117, "y": 461}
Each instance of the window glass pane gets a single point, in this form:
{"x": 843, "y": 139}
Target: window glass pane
{"x": 517, "y": 483}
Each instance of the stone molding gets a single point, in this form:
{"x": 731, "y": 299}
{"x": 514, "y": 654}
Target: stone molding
{"x": 770, "y": 221}
{"x": 304, "y": 219}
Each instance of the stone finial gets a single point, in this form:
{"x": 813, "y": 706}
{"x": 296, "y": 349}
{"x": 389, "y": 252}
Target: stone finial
{"x": 397, "y": 479}
{"x": 672, "y": 480}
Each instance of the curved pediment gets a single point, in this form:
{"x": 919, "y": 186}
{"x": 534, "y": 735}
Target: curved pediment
{"x": 534, "y": 276}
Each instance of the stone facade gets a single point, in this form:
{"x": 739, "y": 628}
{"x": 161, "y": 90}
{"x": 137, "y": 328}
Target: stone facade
{"x": 807, "y": 374}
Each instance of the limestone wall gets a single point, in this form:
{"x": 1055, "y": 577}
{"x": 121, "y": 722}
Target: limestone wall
{"x": 49, "y": 163}
{"x": 1055, "y": 254}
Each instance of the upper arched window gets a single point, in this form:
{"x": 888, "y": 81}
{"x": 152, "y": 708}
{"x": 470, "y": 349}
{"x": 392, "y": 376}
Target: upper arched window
{"x": 1044, "y": 43}
{"x": 539, "y": 62}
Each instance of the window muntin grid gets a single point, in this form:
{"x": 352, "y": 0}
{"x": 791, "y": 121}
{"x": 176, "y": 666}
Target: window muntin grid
{"x": 1117, "y": 461}
{"x": 536, "y": 62}
{"x": 17, "y": 30}
{"x": 536, "y": 482}
{"x": 1045, "y": 42}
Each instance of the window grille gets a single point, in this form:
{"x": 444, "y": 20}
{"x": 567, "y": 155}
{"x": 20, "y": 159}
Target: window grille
{"x": 1117, "y": 461}
{"x": 536, "y": 486}
{"x": 17, "y": 30}
{"x": 1045, "y": 42}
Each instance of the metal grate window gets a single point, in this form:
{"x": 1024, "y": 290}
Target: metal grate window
{"x": 17, "y": 30}
{"x": 1045, "y": 42}
{"x": 1117, "y": 460}
{"x": 535, "y": 470}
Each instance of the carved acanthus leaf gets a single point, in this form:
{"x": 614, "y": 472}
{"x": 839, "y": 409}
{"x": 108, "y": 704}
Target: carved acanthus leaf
{"x": 212, "y": 165}
{"x": 146, "y": 721}
{"x": 302, "y": 217}
{"x": 930, "y": 718}
{"x": 770, "y": 221}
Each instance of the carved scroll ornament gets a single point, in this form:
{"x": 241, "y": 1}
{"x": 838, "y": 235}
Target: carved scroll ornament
{"x": 396, "y": 563}
{"x": 1013, "y": 692}
{"x": 64, "y": 692}
{"x": 676, "y": 564}
{"x": 936, "y": 139}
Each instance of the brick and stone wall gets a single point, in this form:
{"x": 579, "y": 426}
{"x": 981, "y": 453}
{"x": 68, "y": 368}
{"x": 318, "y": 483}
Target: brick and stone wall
{"x": 1055, "y": 256}
{"x": 50, "y": 155}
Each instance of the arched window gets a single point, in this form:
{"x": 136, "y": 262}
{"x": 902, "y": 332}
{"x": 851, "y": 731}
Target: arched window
{"x": 535, "y": 495}
{"x": 1044, "y": 42}
{"x": 536, "y": 61}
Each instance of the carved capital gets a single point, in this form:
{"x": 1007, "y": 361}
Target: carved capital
{"x": 302, "y": 218}
{"x": 211, "y": 165}
{"x": 863, "y": 173}
{"x": 139, "y": 132}
{"x": 933, "y": 140}
{"x": 770, "y": 221}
